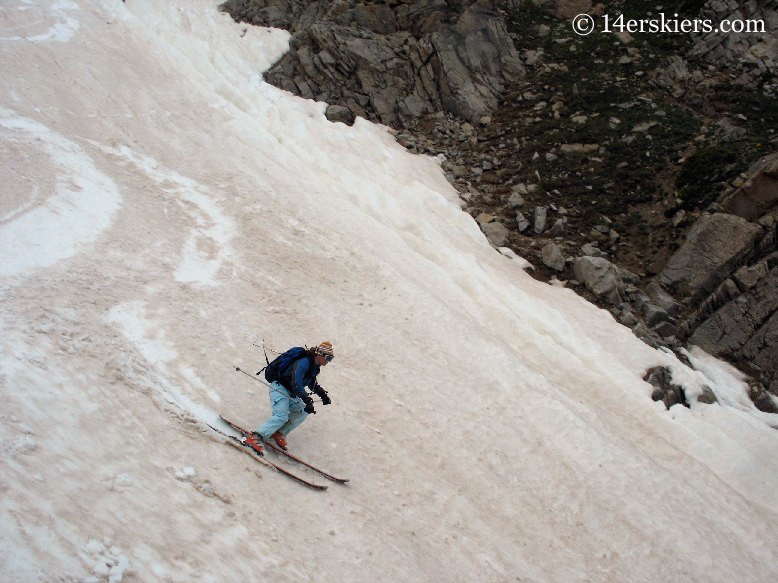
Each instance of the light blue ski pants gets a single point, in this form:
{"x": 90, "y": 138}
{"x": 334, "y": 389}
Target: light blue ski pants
{"x": 287, "y": 412}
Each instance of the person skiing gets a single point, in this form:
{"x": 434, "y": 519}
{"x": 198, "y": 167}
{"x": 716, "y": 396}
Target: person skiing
{"x": 290, "y": 404}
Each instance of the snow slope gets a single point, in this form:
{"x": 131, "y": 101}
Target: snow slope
{"x": 163, "y": 209}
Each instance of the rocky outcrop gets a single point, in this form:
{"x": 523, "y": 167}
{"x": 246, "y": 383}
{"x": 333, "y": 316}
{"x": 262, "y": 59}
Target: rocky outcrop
{"x": 392, "y": 61}
{"x": 745, "y": 327}
{"x": 601, "y": 277}
{"x": 751, "y": 50}
{"x": 715, "y": 245}
{"x": 759, "y": 194}
{"x": 670, "y": 393}
{"x": 725, "y": 277}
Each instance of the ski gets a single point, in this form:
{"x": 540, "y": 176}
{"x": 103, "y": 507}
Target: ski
{"x": 282, "y": 451}
{"x": 246, "y": 448}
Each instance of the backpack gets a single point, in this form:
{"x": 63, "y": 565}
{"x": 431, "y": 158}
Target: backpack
{"x": 277, "y": 370}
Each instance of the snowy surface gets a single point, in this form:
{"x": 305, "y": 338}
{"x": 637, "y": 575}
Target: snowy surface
{"x": 162, "y": 209}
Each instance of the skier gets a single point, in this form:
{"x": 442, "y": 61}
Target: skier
{"x": 290, "y": 403}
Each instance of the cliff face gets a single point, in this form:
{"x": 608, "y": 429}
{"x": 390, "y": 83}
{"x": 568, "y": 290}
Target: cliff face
{"x": 638, "y": 168}
{"x": 392, "y": 61}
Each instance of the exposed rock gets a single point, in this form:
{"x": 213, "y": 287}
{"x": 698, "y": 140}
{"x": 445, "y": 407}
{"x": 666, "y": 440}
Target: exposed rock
{"x": 515, "y": 200}
{"x": 558, "y": 228}
{"x": 338, "y": 113}
{"x": 749, "y": 275}
{"x": 592, "y": 249}
{"x": 484, "y": 218}
{"x": 708, "y": 396}
{"x": 393, "y": 61}
{"x": 627, "y": 318}
{"x": 761, "y": 398}
{"x": 521, "y": 222}
{"x": 715, "y": 245}
{"x": 746, "y": 328}
{"x": 496, "y": 233}
{"x": 553, "y": 257}
{"x": 753, "y": 56}
{"x": 664, "y": 390}
{"x": 601, "y": 277}
{"x": 759, "y": 194}
{"x": 539, "y": 219}
{"x": 663, "y": 299}
{"x": 578, "y": 148}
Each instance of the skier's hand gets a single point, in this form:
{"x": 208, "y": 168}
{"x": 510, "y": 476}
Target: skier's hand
{"x": 325, "y": 399}
{"x": 309, "y": 405}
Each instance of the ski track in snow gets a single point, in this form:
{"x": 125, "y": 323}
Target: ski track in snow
{"x": 37, "y": 234}
{"x": 164, "y": 208}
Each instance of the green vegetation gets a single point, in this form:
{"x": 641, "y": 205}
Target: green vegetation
{"x": 702, "y": 174}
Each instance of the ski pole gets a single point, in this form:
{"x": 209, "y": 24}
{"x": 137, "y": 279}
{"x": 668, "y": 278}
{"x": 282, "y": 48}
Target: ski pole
{"x": 237, "y": 368}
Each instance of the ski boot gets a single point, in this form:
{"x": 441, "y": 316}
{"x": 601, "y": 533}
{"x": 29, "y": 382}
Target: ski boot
{"x": 279, "y": 439}
{"x": 254, "y": 441}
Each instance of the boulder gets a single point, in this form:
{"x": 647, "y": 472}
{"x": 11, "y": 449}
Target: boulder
{"x": 338, "y": 113}
{"x": 662, "y": 299}
{"x": 553, "y": 257}
{"x": 521, "y": 222}
{"x": 539, "y": 219}
{"x": 601, "y": 277}
{"x": 758, "y": 194}
{"x": 496, "y": 233}
{"x": 664, "y": 389}
{"x": 715, "y": 246}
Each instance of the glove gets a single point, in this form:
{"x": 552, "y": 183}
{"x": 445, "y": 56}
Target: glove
{"x": 325, "y": 399}
{"x": 308, "y": 405}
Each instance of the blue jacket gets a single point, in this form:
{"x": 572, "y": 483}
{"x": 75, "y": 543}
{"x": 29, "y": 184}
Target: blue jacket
{"x": 301, "y": 374}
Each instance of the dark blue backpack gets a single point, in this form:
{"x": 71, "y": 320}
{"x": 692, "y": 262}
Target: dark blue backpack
{"x": 277, "y": 370}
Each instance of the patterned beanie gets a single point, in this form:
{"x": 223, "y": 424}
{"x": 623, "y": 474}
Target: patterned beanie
{"x": 325, "y": 349}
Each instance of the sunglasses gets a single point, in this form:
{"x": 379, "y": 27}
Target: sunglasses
{"x": 327, "y": 357}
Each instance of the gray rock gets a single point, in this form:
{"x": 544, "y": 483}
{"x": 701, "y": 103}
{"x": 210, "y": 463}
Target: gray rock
{"x": 746, "y": 329}
{"x": 748, "y": 276}
{"x": 579, "y": 148}
{"x": 654, "y": 315}
{"x": 663, "y": 299}
{"x": 593, "y": 250}
{"x": 759, "y": 193}
{"x": 520, "y": 189}
{"x": 678, "y": 219}
{"x": 761, "y": 398}
{"x": 496, "y": 233}
{"x": 714, "y": 247}
{"x": 515, "y": 200}
{"x": 708, "y": 396}
{"x": 338, "y": 113}
{"x": 558, "y": 228}
{"x": 664, "y": 389}
{"x": 404, "y": 59}
{"x": 664, "y": 329}
{"x": 627, "y": 318}
{"x": 521, "y": 222}
{"x": 601, "y": 277}
{"x": 539, "y": 219}
{"x": 553, "y": 257}
{"x": 752, "y": 57}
